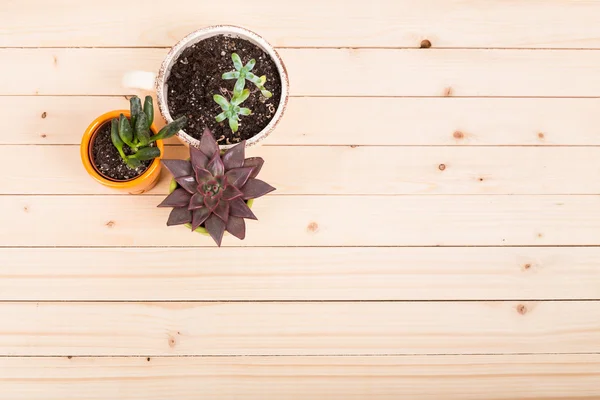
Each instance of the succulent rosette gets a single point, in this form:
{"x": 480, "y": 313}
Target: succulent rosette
{"x": 213, "y": 189}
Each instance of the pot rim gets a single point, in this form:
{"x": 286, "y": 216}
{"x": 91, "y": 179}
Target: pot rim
{"x": 87, "y": 157}
{"x": 204, "y": 33}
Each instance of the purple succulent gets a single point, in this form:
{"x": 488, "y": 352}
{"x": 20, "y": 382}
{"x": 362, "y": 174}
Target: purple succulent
{"x": 213, "y": 188}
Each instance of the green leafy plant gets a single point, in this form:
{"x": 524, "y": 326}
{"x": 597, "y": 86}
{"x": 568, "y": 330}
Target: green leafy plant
{"x": 213, "y": 188}
{"x": 242, "y": 74}
{"x": 135, "y": 133}
{"x": 232, "y": 110}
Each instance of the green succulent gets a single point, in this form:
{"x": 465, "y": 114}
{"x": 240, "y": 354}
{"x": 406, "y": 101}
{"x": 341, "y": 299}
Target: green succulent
{"x": 242, "y": 74}
{"x": 232, "y": 110}
{"x": 135, "y": 132}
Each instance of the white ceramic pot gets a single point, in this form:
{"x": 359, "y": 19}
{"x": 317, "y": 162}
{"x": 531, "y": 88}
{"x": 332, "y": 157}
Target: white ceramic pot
{"x": 158, "y": 82}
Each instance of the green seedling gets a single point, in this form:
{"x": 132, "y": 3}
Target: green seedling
{"x": 242, "y": 73}
{"x": 135, "y": 133}
{"x": 232, "y": 110}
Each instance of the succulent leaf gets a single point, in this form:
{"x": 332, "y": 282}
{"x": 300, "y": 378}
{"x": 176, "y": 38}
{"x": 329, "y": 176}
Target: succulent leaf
{"x": 208, "y": 144}
{"x": 149, "y": 110}
{"x": 238, "y": 176}
{"x": 237, "y": 100}
{"x": 256, "y": 188}
{"x": 239, "y": 208}
{"x": 222, "y": 210}
{"x": 211, "y": 202}
{"x": 233, "y": 124}
{"x": 221, "y": 117}
{"x": 245, "y": 111}
{"x": 215, "y": 227}
{"x": 125, "y": 131}
{"x": 142, "y": 132}
{"x": 230, "y": 75}
{"x": 179, "y": 216}
{"x": 250, "y": 65}
{"x": 256, "y": 162}
{"x": 266, "y": 93}
{"x": 237, "y": 61}
{"x": 199, "y": 215}
{"x": 234, "y": 157}
{"x": 239, "y": 86}
{"x": 236, "y": 226}
{"x": 179, "y": 198}
{"x": 188, "y": 183}
{"x": 215, "y": 166}
{"x": 197, "y": 201}
{"x": 178, "y": 168}
{"x": 203, "y": 176}
{"x": 116, "y": 138}
{"x": 135, "y": 105}
{"x": 147, "y": 153}
{"x": 221, "y": 101}
{"x": 231, "y": 192}
{"x": 170, "y": 129}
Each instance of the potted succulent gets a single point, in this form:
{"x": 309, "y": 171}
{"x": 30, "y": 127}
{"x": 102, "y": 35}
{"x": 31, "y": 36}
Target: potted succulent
{"x": 224, "y": 78}
{"x": 122, "y": 149}
{"x": 212, "y": 192}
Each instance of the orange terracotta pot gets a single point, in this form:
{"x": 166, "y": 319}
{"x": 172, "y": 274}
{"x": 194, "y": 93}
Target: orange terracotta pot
{"x": 138, "y": 185}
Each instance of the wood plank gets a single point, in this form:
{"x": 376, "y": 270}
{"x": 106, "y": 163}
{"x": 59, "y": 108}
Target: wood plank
{"x": 461, "y": 273}
{"x": 417, "y": 121}
{"x": 478, "y": 23}
{"x": 345, "y": 170}
{"x": 326, "y": 72}
{"x": 274, "y": 378}
{"x": 308, "y": 328}
{"x": 419, "y": 220}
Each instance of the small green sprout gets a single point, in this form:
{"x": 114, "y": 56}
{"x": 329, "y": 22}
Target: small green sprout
{"x": 242, "y": 73}
{"x": 135, "y": 132}
{"x": 232, "y": 110}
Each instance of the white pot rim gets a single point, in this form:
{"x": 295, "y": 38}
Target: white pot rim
{"x": 205, "y": 33}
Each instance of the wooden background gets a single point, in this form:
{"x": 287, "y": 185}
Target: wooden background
{"x": 434, "y": 234}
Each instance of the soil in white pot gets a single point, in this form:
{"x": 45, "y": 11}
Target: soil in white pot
{"x": 108, "y": 162}
{"x": 197, "y": 75}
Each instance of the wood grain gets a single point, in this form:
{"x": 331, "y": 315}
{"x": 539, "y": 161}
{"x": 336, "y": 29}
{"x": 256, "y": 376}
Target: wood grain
{"x": 294, "y": 378}
{"x": 339, "y": 328}
{"x": 476, "y": 23}
{"x": 327, "y": 72}
{"x": 299, "y": 170}
{"x": 300, "y": 274}
{"x": 326, "y": 120}
{"x": 419, "y": 220}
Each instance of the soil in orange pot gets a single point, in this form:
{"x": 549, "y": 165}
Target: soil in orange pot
{"x": 108, "y": 162}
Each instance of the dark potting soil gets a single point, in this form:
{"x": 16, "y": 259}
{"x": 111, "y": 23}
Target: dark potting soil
{"x": 196, "y": 76}
{"x": 107, "y": 160}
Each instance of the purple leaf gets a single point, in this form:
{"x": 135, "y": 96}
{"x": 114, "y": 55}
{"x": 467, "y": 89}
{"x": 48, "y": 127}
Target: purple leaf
{"x": 222, "y": 210}
{"x": 234, "y": 157}
{"x": 208, "y": 144}
{"x": 203, "y": 176}
{"x": 179, "y": 216}
{"x": 196, "y": 201}
{"x": 215, "y": 227}
{"x": 188, "y": 183}
{"x": 239, "y": 208}
{"x": 238, "y": 176}
{"x": 178, "y": 168}
{"x": 199, "y": 216}
{"x": 256, "y": 162}
{"x": 179, "y": 198}
{"x": 198, "y": 159}
{"x": 215, "y": 166}
{"x": 211, "y": 202}
{"x": 237, "y": 227}
{"x": 255, "y": 188}
{"x": 231, "y": 192}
